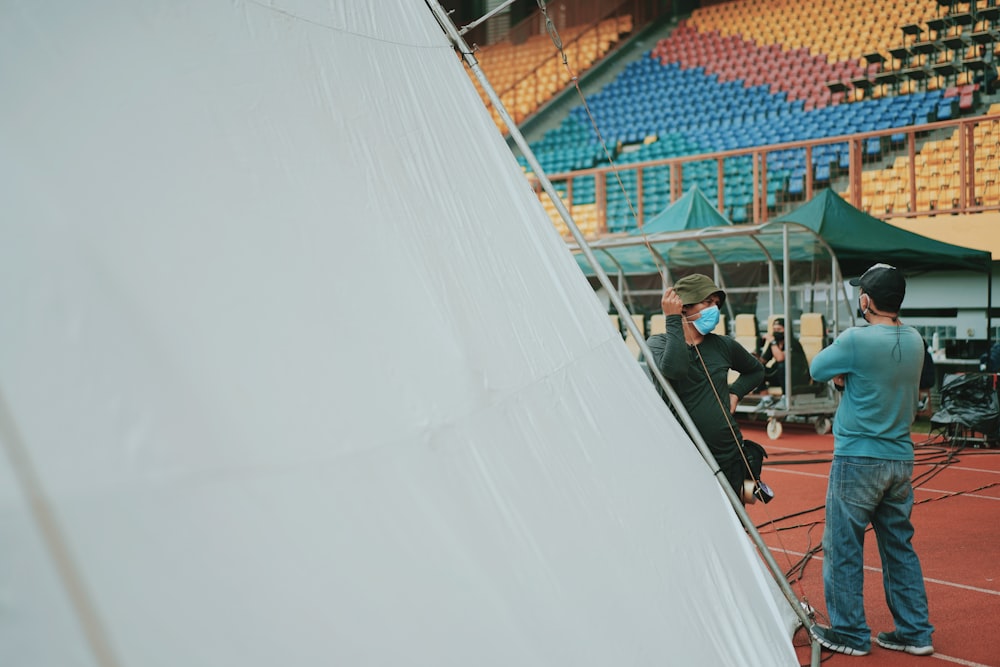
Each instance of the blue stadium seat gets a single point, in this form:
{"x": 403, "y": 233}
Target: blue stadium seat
{"x": 945, "y": 110}
{"x": 796, "y": 185}
{"x": 873, "y": 147}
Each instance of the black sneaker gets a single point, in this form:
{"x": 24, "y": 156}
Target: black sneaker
{"x": 834, "y": 641}
{"x": 893, "y": 642}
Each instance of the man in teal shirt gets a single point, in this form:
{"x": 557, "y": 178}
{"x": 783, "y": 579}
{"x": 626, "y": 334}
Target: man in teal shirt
{"x": 878, "y": 367}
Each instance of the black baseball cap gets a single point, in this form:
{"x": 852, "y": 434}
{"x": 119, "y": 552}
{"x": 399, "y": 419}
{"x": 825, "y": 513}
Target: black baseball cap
{"x": 885, "y": 285}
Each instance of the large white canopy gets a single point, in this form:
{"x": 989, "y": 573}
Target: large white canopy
{"x": 294, "y": 370}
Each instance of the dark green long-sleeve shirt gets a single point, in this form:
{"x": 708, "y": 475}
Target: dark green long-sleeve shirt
{"x": 680, "y": 364}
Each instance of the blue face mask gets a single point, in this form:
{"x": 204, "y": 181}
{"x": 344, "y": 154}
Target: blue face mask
{"x": 708, "y": 320}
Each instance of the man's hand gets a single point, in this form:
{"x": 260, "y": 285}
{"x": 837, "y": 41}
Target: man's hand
{"x": 671, "y": 303}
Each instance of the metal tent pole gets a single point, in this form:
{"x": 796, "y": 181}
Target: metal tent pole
{"x": 786, "y": 296}
{"x": 463, "y": 48}
{"x": 989, "y": 303}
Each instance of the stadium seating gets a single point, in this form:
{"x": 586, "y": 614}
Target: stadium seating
{"x": 530, "y": 73}
{"x": 749, "y": 73}
{"x": 754, "y": 79}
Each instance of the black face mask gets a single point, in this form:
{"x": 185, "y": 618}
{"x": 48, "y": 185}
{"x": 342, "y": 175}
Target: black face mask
{"x": 779, "y": 336}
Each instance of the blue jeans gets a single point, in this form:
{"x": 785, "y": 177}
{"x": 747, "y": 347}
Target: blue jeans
{"x": 865, "y": 490}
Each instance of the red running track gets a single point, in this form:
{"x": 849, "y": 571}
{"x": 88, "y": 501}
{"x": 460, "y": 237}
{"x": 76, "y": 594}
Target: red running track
{"x": 957, "y": 520}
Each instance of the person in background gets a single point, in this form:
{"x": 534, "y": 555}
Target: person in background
{"x": 774, "y": 352}
{"x": 879, "y": 367}
{"x": 990, "y": 361}
{"x": 697, "y": 364}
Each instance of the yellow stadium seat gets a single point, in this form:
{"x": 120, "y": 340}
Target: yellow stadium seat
{"x": 812, "y": 333}
{"x": 630, "y": 341}
{"x": 745, "y": 331}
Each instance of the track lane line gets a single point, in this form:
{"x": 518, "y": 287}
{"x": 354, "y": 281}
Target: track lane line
{"x": 871, "y": 568}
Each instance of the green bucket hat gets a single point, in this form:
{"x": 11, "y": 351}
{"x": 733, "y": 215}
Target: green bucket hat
{"x": 696, "y": 288}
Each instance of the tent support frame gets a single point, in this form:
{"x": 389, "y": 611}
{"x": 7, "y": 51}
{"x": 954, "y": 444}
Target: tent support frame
{"x": 463, "y": 48}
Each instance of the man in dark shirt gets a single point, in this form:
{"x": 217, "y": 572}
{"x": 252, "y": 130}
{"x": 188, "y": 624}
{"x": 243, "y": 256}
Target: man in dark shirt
{"x": 697, "y": 364}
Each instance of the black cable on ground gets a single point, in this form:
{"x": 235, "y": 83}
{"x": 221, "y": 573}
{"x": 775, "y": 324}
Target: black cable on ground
{"x": 938, "y": 458}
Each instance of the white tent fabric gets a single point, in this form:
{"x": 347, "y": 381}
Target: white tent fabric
{"x": 303, "y": 374}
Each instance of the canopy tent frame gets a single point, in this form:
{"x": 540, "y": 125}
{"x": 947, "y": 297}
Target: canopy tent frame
{"x": 660, "y": 263}
{"x": 859, "y": 240}
{"x": 470, "y": 60}
{"x": 701, "y": 236}
{"x": 808, "y": 408}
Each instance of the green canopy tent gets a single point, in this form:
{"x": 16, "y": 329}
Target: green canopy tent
{"x": 692, "y": 211}
{"x": 860, "y": 240}
{"x": 689, "y": 236}
{"x": 825, "y": 240}
{"x": 644, "y": 266}
{"x": 857, "y": 239}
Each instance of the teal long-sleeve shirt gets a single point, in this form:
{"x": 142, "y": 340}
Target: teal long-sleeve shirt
{"x": 881, "y": 365}
{"x": 680, "y": 364}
